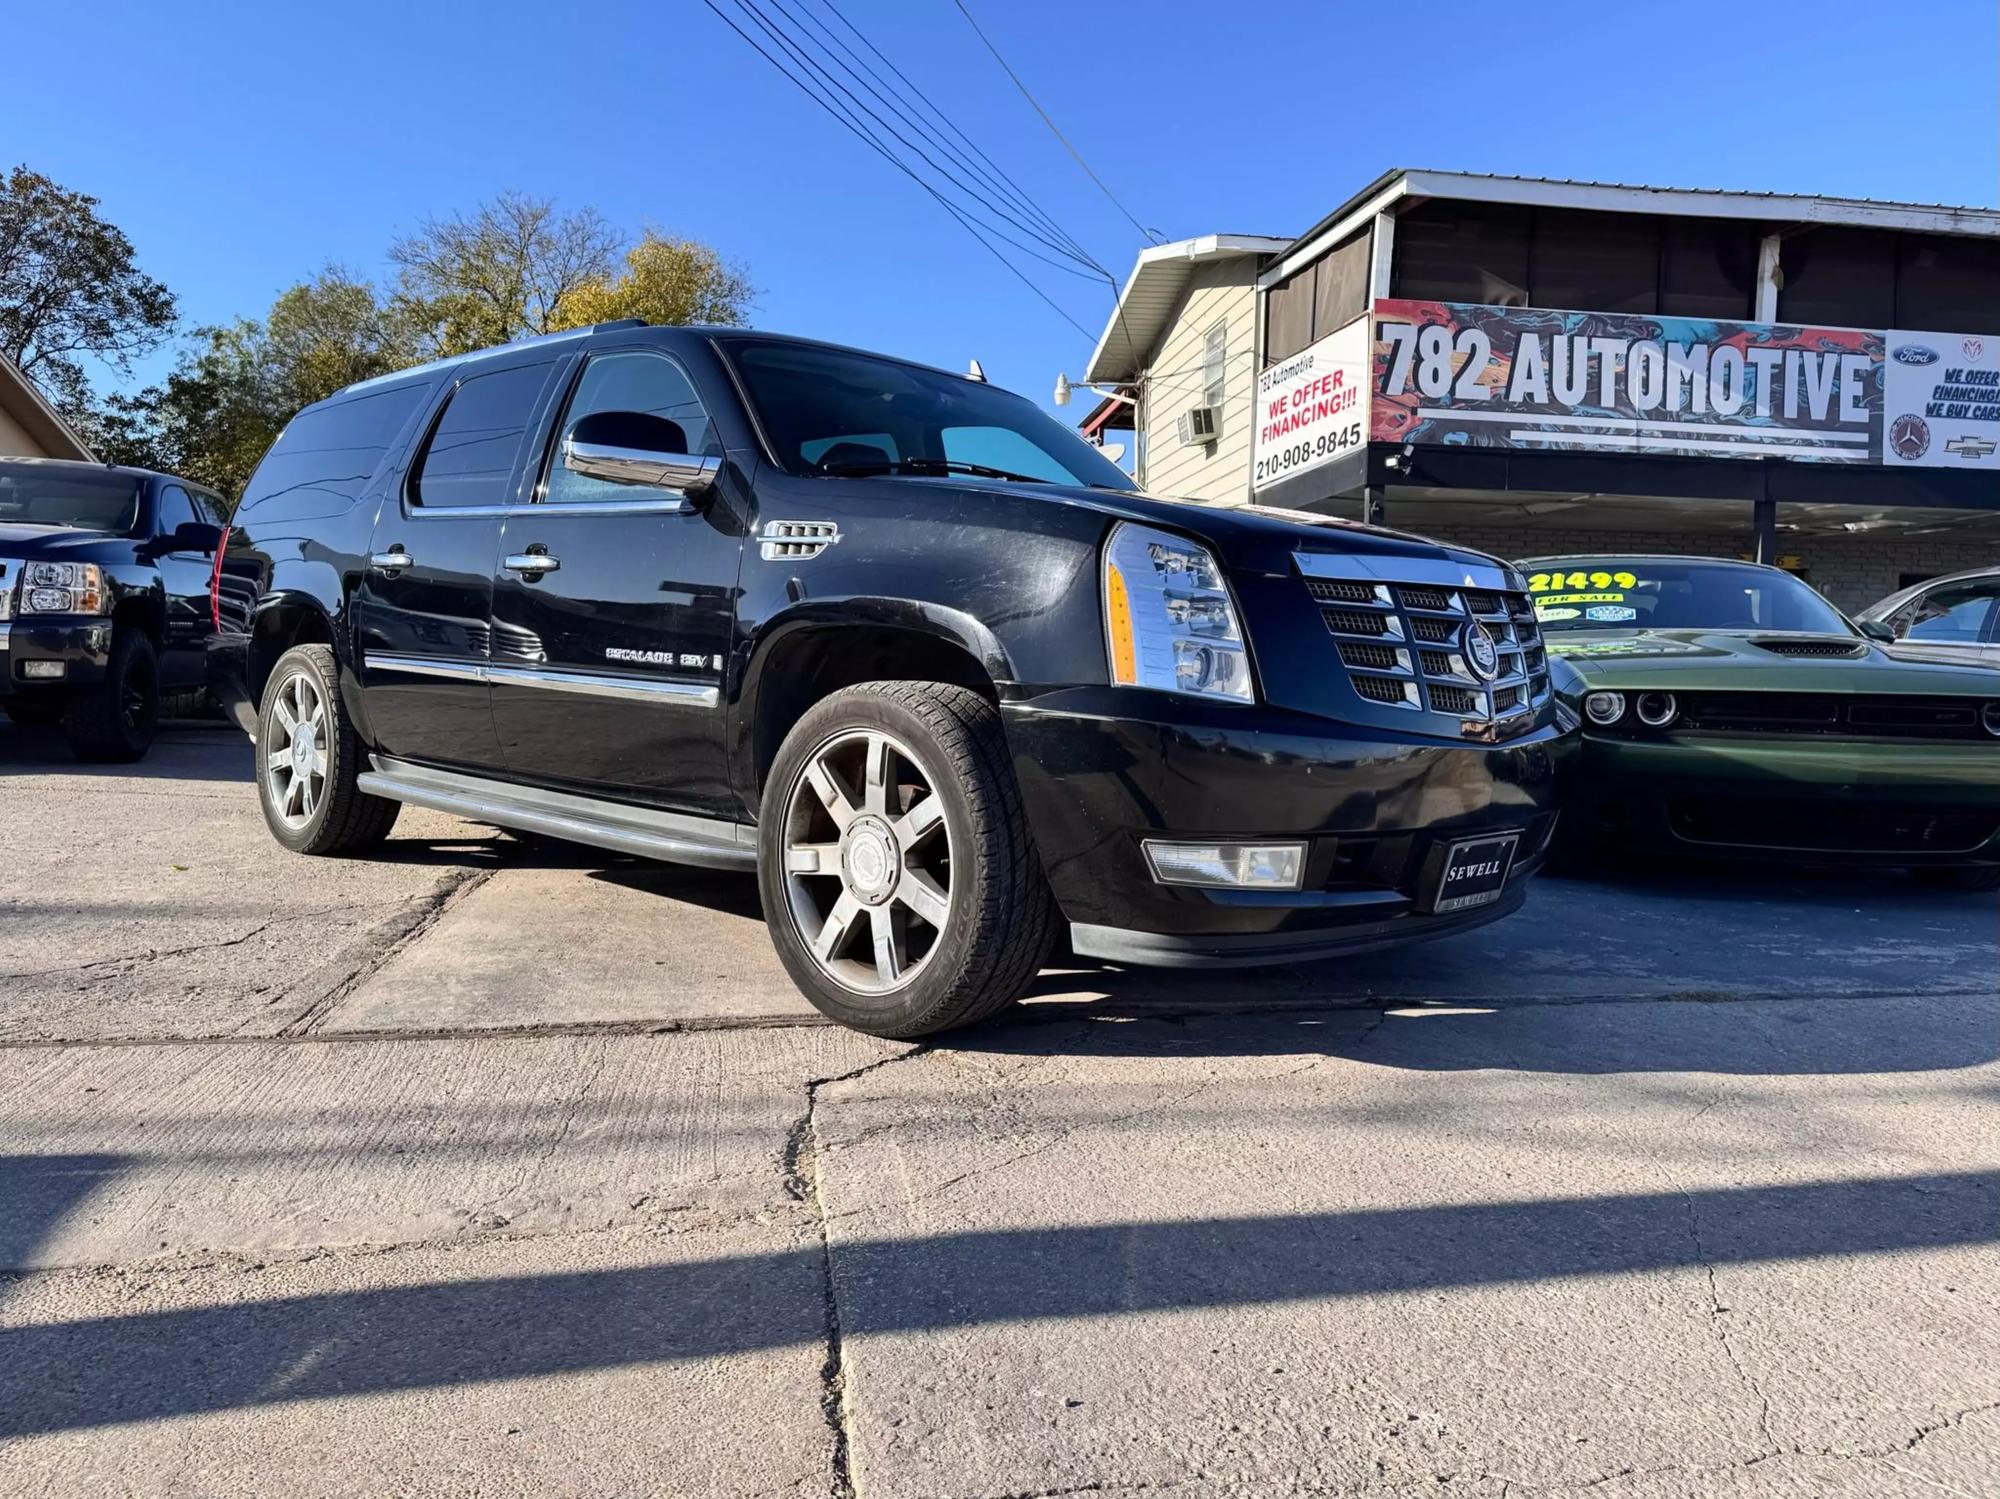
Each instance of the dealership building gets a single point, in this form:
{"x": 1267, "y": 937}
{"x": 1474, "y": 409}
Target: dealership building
{"x": 1530, "y": 366}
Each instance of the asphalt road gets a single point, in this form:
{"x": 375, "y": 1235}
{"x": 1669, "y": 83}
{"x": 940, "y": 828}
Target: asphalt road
{"x": 493, "y": 1166}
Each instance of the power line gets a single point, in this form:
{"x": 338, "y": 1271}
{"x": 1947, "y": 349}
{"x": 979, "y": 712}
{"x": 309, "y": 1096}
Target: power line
{"x": 1150, "y": 235}
{"x": 826, "y": 103}
{"x": 896, "y": 100}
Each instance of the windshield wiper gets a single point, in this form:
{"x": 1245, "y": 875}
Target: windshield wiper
{"x": 927, "y": 468}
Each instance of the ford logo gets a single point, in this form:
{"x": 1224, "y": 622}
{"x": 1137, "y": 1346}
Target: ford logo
{"x": 1916, "y": 354}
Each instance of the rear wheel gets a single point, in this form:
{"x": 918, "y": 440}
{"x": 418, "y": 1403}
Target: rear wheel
{"x": 115, "y": 719}
{"x": 308, "y": 757}
{"x": 899, "y": 881}
{"x": 1978, "y": 877}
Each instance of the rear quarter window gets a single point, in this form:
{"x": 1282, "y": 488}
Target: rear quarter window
{"x": 327, "y": 454}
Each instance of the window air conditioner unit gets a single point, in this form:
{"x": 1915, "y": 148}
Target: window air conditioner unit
{"x": 1199, "y": 424}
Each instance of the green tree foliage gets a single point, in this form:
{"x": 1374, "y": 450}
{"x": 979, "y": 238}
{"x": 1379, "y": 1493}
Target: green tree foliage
{"x": 233, "y": 391}
{"x": 665, "y": 281}
{"x": 69, "y": 290}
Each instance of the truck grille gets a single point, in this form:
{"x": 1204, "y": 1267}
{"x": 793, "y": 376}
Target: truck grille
{"x": 1405, "y": 644}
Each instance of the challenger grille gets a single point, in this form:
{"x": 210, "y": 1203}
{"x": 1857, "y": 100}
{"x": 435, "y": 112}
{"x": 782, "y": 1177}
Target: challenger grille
{"x": 1404, "y": 644}
{"x": 1832, "y": 715}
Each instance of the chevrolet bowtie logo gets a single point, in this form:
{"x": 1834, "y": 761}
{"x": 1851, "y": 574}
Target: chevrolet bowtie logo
{"x": 1974, "y": 448}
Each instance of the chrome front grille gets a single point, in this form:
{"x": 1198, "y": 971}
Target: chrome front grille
{"x": 1406, "y": 633}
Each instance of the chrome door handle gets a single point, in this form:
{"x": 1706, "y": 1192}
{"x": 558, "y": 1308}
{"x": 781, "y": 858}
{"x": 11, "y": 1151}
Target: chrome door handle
{"x": 390, "y": 562}
{"x": 531, "y": 564}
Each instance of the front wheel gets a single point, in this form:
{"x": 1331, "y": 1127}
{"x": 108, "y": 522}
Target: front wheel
{"x": 116, "y": 719}
{"x": 308, "y": 757}
{"x": 900, "y": 884}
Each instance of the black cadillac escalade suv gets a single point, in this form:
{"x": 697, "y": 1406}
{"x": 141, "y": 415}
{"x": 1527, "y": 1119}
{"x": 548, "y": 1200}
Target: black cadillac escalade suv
{"x": 891, "y": 637}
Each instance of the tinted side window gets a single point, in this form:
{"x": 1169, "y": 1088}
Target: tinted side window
{"x": 631, "y": 381}
{"x": 176, "y": 510}
{"x": 473, "y": 448}
{"x": 1954, "y": 614}
{"x": 327, "y": 453}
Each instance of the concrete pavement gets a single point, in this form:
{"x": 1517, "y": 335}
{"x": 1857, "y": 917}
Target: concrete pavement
{"x": 497, "y": 1167}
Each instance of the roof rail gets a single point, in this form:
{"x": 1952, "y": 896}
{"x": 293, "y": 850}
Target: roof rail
{"x": 519, "y": 343}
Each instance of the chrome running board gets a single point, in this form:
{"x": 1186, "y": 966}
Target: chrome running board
{"x": 674, "y": 837}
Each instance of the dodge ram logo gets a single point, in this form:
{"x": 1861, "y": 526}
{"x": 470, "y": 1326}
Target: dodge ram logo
{"x": 1480, "y": 652}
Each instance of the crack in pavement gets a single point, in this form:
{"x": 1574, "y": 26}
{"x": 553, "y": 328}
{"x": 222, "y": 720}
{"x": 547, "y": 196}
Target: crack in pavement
{"x": 1716, "y": 1312}
{"x": 154, "y": 954}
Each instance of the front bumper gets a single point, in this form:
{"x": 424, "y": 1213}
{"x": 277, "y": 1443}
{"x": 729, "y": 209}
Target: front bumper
{"x": 1888, "y": 803}
{"x": 81, "y": 642}
{"x": 1101, "y": 769}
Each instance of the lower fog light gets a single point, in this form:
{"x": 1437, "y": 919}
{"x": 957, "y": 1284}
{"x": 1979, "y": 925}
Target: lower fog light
{"x": 1242, "y": 866}
{"x": 42, "y": 669}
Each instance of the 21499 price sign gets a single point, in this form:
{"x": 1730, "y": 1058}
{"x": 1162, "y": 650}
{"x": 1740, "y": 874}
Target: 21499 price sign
{"x": 1304, "y": 455}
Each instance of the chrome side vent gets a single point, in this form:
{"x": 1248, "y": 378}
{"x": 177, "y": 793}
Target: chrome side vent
{"x": 796, "y": 539}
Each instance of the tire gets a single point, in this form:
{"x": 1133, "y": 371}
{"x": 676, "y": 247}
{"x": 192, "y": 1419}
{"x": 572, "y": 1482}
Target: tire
{"x": 1978, "y": 877}
{"x": 310, "y": 801}
{"x": 36, "y": 712}
{"x": 114, "y": 721}
{"x": 958, "y": 895}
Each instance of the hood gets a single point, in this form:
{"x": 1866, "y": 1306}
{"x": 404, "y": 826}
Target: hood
{"x": 1756, "y": 660}
{"x": 1246, "y": 537}
{"x": 63, "y": 544}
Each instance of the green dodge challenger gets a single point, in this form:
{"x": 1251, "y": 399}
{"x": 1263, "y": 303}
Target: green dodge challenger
{"x": 1729, "y": 709}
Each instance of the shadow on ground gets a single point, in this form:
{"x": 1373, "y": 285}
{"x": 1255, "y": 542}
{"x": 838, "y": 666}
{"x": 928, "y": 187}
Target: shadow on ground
{"x": 152, "y": 1365}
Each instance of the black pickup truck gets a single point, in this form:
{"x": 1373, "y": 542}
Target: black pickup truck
{"x": 104, "y": 598}
{"x": 892, "y": 638}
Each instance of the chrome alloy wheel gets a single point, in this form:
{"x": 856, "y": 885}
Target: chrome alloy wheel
{"x": 868, "y": 861}
{"x": 295, "y": 750}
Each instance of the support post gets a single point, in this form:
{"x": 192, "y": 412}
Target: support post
{"x": 1375, "y": 505}
{"x": 1765, "y": 520}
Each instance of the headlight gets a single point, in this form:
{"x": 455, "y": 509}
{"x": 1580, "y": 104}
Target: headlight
{"x": 1656, "y": 709}
{"x": 64, "y": 588}
{"x": 1168, "y": 617}
{"x": 1604, "y": 708}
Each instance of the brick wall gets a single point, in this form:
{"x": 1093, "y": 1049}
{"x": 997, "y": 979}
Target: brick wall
{"x": 1854, "y": 572}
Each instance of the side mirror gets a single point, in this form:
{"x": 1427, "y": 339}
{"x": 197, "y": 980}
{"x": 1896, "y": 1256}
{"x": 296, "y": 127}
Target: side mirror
{"x": 1874, "y": 629}
{"x": 638, "y": 448}
{"x": 193, "y": 536}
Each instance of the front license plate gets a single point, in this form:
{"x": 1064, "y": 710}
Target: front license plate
{"x": 1474, "y": 872}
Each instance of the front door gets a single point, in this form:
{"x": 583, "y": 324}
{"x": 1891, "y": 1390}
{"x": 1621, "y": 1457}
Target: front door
{"x": 184, "y": 578}
{"x": 614, "y": 611}
{"x": 1954, "y": 619}
{"x": 423, "y": 609}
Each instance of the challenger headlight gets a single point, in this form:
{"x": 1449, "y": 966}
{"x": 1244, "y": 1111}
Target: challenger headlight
{"x": 1168, "y": 617}
{"x": 1604, "y": 708}
{"x": 64, "y": 588}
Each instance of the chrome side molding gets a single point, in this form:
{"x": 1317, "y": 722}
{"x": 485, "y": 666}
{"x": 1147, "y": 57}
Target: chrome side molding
{"x": 589, "y": 684}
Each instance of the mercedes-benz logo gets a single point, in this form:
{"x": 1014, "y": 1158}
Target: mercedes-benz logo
{"x": 1480, "y": 652}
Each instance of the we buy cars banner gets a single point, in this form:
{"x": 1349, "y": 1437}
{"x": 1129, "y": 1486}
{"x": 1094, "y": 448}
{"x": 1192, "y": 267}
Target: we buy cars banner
{"x": 1524, "y": 377}
{"x": 1941, "y": 405}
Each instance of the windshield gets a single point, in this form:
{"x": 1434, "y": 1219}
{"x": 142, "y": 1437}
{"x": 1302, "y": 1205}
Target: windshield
{"x": 830, "y": 411}
{"x": 90, "y": 499}
{"x": 1654, "y": 593}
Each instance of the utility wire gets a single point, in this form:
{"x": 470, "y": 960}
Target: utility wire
{"x": 856, "y": 109}
{"x": 900, "y": 102}
{"x": 805, "y": 87}
{"x": 1150, "y": 235}
{"x": 948, "y": 122}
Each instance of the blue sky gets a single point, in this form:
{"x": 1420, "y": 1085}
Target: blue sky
{"x": 241, "y": 146}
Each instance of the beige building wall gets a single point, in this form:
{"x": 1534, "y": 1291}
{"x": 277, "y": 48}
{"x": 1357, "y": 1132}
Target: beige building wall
{"x": 1222, "y": 292}
{"x": 15, "y": 441}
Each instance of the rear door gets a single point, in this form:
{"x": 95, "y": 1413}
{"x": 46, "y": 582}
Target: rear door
{"x": 184, "y": 580}
{"x": 424, "y": 607}
{"x": 614, "y": 609}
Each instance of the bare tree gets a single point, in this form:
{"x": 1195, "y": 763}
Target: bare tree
{"x": 497, "y": 273}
